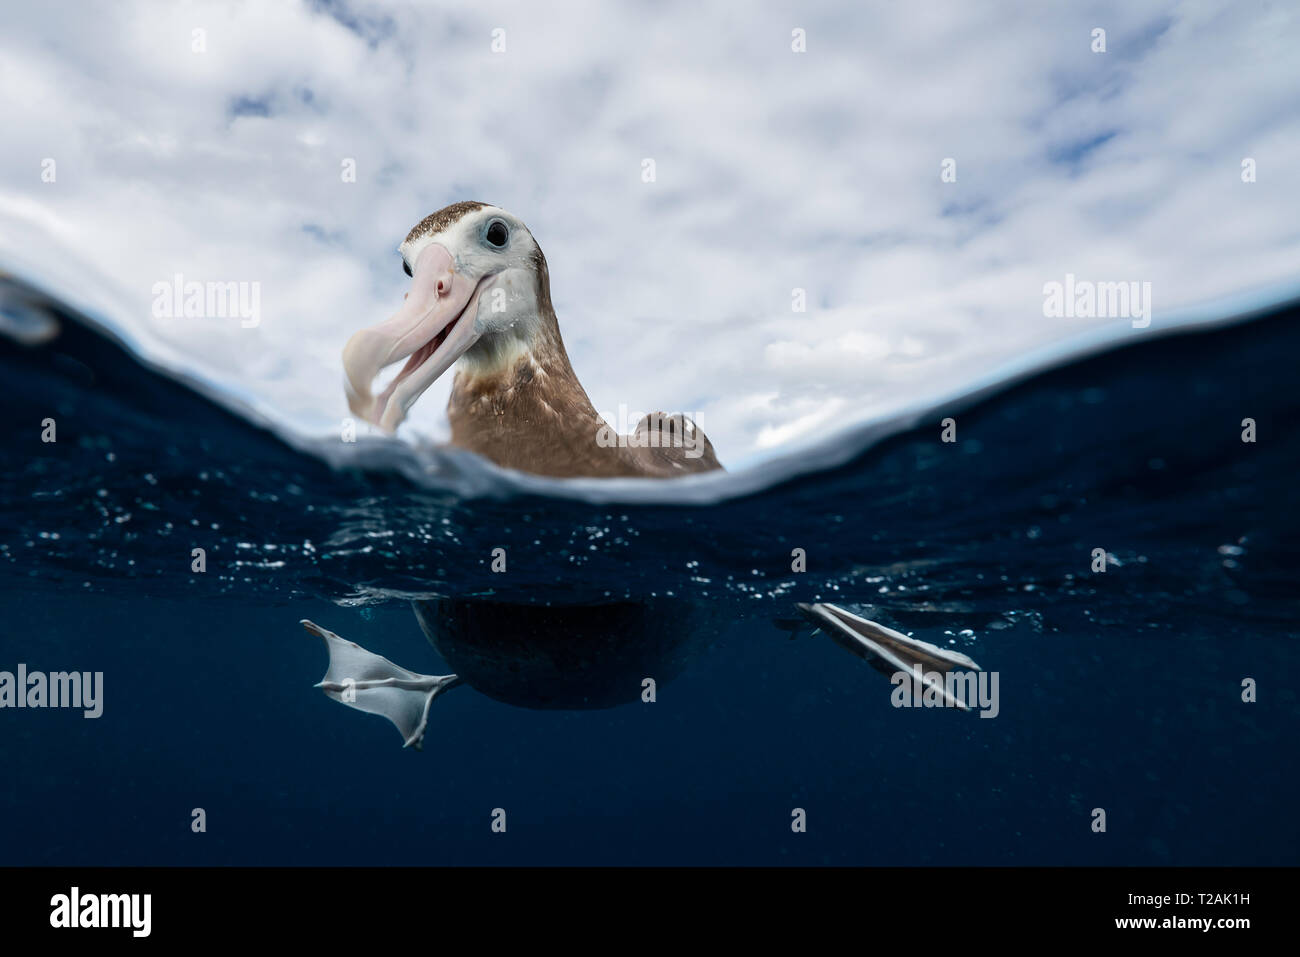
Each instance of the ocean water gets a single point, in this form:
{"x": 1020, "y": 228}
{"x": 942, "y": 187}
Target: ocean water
{"x": 1120, "y": 690}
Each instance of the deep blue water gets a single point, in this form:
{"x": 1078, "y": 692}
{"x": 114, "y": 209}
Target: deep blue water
{"x": 1119, "y": 690}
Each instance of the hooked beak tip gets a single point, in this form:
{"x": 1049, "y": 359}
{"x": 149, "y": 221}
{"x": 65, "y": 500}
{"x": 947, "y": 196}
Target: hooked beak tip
{"x": 432, "y": 329}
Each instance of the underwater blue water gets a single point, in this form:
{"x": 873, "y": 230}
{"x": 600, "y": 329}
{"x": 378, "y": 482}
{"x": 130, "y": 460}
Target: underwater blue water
{"x": 1119, "y": 690}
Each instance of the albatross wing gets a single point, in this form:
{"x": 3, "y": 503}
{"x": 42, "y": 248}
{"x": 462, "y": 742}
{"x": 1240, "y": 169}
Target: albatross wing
{"x": 666, "y": 446}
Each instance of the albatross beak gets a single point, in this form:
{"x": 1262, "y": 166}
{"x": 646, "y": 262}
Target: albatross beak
{"x": 434, "y": 327}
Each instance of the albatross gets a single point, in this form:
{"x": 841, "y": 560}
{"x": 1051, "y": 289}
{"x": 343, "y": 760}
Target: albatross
{"x": 480, "y": 299}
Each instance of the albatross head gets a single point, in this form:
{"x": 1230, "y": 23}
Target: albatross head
{"x": 479, "y": 289}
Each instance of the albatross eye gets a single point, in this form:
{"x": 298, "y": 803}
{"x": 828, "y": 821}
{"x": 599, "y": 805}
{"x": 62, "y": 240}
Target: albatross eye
{"x": 497, "y": 234}
{"x": 406, "y": 268}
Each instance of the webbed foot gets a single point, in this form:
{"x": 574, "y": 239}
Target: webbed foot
{"x": 889, "y": 651}
{"x": 371, "y": 683}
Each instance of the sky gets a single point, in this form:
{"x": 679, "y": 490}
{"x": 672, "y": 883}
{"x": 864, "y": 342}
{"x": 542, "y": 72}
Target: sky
{"x": 213, "y": 141}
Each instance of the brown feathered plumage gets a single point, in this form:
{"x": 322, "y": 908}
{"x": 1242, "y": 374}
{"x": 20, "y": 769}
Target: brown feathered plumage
{"x": 535, "y": 416}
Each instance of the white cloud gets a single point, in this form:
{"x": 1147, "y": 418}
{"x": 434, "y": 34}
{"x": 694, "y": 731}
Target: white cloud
{"x": 776, "y": 170}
